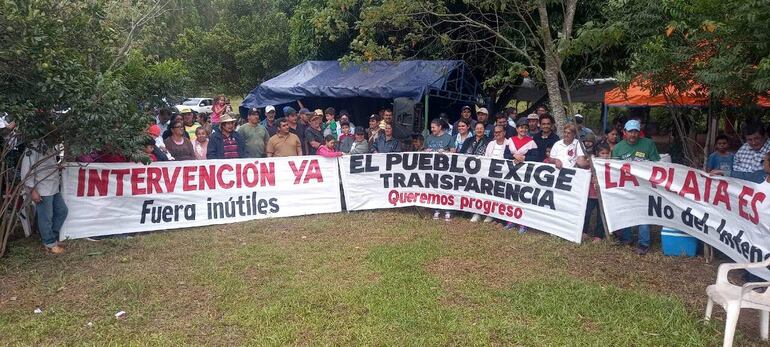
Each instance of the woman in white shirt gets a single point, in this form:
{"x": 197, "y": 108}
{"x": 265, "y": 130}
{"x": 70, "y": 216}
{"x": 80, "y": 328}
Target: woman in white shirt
{"x": 567, "y": 152}
{"x": 496, "y": 148}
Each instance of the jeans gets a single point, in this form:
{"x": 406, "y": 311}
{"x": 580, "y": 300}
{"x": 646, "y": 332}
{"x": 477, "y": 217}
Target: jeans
{"x": 598, "y": 230}
{"x": 644, "y": 235}
{"x": 51, "y": 213}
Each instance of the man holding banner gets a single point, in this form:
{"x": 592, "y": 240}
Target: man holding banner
{"x": 636, "y": 148}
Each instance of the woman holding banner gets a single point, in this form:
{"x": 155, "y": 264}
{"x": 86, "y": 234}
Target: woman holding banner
{"x": 442, "y": 142}
{"x": 565, "y": 153}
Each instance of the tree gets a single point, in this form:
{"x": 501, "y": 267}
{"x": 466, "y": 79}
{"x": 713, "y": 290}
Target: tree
{"x": 62, "y": 83}
{"x": 719, "y": 45}
{"x": 503, "y": 41}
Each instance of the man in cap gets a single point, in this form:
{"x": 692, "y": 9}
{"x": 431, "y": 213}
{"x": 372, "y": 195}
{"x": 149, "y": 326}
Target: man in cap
{"x": 533, "y": 120}
{"x": 482, "y": 116}
{"x": 583, "y": 131}
{"x": 465, "y": 113}
{"x": 190, "y": 125}
{"x": 254, "y": 135}
{"x": 304, "y": 117}
{"x": 226, "y": 143}
{"x": 314, "y": 137}
{"x": 269, "y": 121}
{"x": 295, "y": 126}
{"x": 635, "y": 148}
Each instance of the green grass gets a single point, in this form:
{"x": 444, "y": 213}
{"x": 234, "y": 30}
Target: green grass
{"x": 376, "y": 278}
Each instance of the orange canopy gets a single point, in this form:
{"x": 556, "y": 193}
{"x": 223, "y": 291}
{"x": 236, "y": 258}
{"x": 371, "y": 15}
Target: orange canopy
{"x": 638, "y": 95}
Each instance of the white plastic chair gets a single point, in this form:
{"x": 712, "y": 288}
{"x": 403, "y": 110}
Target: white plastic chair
{"x": 733, "y": 298}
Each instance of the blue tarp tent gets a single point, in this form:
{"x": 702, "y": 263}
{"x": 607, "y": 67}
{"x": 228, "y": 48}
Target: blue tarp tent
{"x": 379, "y": 79}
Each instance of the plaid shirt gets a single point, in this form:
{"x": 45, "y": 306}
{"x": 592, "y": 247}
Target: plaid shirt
{"x": 749, "y": 160}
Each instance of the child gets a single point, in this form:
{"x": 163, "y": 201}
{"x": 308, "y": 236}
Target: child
{"x": 721, "y": 161}
{"x": 603, "y": 151}
{"x": 548, "y": 159}
{"x": 418, "y": 143}
{"x": 149, "y": 148}
{"x": 346, "y": 138}
{"x": 589, "y": 142}
{"x": 328, "y": 150}
{"x": 360, "y": 145}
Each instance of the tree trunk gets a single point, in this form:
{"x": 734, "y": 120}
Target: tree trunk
{"x": 554, "y": 93}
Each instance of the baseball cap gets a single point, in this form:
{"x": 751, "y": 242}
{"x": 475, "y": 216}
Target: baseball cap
{"x": 288, "y": 110}
{"x": 533, "y": 116}
{"x": 522, "y": 121}
{"x": 253, "y": 110}
{"x": 633, "y": 125}
{"x": 154, "y": 130}
{"x": 185, "y": 110}
{"x": 303, "y": 110}
{"x": 319, "y": 112}
{"x": 483, "y": 110}
{"x": 270, "y": 108}
{"x": 466, "y": 107}
{"x": 360, "y": 131}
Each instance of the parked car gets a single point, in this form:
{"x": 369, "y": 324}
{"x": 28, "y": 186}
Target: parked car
{"x": 198, "y": 105}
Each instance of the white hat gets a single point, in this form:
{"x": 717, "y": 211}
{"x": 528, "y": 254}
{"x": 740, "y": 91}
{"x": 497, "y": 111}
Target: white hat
{"x": 578, "y": 115}
{"x": 483, "y": 110}
{"x": 270, "y": 108}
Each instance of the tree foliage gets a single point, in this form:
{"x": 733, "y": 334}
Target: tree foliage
{"x": 723, "y": 45}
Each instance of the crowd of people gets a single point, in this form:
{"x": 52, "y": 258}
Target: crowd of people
{"x": 224, "y": 134}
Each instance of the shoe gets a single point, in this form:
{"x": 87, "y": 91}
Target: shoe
{"x": 475, "y": 218}
{"x": 509, "y": 226}
{"x": 436, "y": 215}
{"x": 489, "y": 219}
{"x": 522, "y": 229}
{"x": 447, "y": 217}
{"x": 55, "y": 249}
{"x": 642, "y": 250}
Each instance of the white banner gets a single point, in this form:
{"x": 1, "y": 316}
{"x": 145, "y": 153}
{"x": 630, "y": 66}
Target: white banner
{"x": 105, "y": 199}
{"x": 532, "y": 194}
{"x": 729, "y": 214}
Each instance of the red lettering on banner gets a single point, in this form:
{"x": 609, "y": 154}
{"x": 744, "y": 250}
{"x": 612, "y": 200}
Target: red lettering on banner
{"x": 119, "y": 174}
{"x": 187, "y": 178}
{"x": 98, "y": 182}
{"x": 721, "y": 195}
{"x": 136, "y": 179}
{"x": 153, "y": 180}
{"x": 626, "y": 176}
{"x": 267, "y": 174}
{"x": 220, "y": 178}
{"x": 707, "y": 190}
{"x": 608, "y": 177}
{"x": 170, "y": 182}
{"x": 238, "y": 175}
{"x": 313, "y": 172}
{"x": 297, "y": 171}
{"x": 207, "y": 177}
{"x": 249, "y": 172}
{"x": 744, "y": 202}
{"x": 81, "y": 182}
{"x": 657, "y": 176}
{"x": 691, "y": 186}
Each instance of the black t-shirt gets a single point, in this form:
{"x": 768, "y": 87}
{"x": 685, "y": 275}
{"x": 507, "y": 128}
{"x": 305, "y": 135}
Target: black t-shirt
{"x": 313, "y": 135}
{"x": 543, "y": 144}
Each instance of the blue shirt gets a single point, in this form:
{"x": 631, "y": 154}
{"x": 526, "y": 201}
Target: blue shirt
{"x": 717, "y": 161}
{"x": 438, "y": 143}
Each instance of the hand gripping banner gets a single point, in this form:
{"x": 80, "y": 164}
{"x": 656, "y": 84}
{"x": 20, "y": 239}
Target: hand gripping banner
{"x": 105, "y": 199}
{"x": 532, "y": 194}
{"x": 729, "y": 214}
